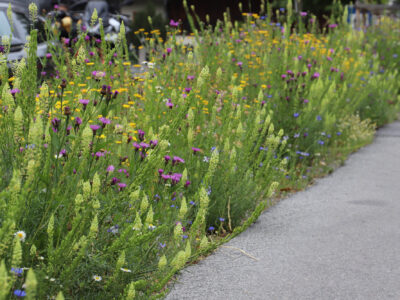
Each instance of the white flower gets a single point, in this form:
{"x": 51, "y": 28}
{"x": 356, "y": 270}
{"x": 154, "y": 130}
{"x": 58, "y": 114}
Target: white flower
{"x": 126, "y": 270}
{"x": 21, "y": 234}
{"x": 97, "y": 278}
{"x": 152, "y": 227}
{"x": 206, "y": 159}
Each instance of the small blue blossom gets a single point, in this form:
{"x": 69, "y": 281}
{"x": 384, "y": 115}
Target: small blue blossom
{"x": 162, "y": 245}
{"x": 319, "y": 118}
{"x": 184, "y": 237}
{"x": 20, "y": 293}
{"x": 222, "y": 219}
{"x": 192, "y": 203}
{"x": 321, "y": 142}
{"x": 338, "y": 133}
{"x": 296, "y": 115}
{"x": 211, "y": 228}
{"x": 17, "y": 271}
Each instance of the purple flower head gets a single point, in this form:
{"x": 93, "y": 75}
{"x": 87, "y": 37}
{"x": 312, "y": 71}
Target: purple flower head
{"x": 240, "y": 64}
{"x": 177, "y": 160}
{"x": 303, "y": 13}
{"x": 160, "y": 171}
{"x": 190, "y": 77}
{"x": 43, "y": 73}
{"x": 56, "y": 123}
{"x": 110, "y": 169}
{"x": 136, "y": 146}
{"x": 188, "y": 89}
{"x": 153, "y": 143}
{"x": 283, "y": 76}
{"x": 176, "y": 177}
{"x": 315, "y": 75}
{"x": 87, "y": 38}
{"x": 195, "y": 150}
{"x": 63, "y": 153}
{"x": 333, "y": 25}
{"x": 144, "y": 145}
{"x": 94, "y": 128}
{"x": 66, "y": 41}
{"x": 84, "y": 102}
{"x": 187, "y": 183}
{"x": 306, "y": 101}
{"x": 169, "y": 50}
{"x": 15, "y": 91}
{"x": 167, "y": 158}
{"x": 309, "y": 66}
{"x": 141, "y": 134}
{"x": 49, "y": 55}
{"x": 121, "y": 186}
{"x": 172, "y": 23}
{"x": 69, "y": 128}
{"x": 114, "y": 181}
{"x": 104, "y": 121}
{"x": 99, "y": 154}
{"x": 170, "y": 105}
{"x": 165, "y": 177}
{"x": 98, "y": 75}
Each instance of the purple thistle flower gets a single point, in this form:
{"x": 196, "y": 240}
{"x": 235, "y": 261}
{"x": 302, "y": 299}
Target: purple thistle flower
{"x": 84, "y": 102}
{"x": 195, "y": 150}
{"x": 141, "y": 134}
{"x": 167, "y": 158}
{"x": 136, "y": 146}
{"x": 153, "y": 143}
{"x": 144, "y": 145}
{"x": 176, "y": 177}
{"x": 94, "y": 128}
{"x": 110, "y": 169}
{"x": 49, "y": 55}
{"x": 169, "y": 50}
{"x": 190, "y": 77}
{"x": 177, "y": 160}
{"x": 303, "y": 13}
{"x": 172, "y": 23}
{"x": 121, "y": 186}
{"x": 170, "y": 105}
{"x": 104, "y": 121}
{"x": 315, "y": 75}
{"x": 187, "y": 183}
{"x": 114, "y": 181}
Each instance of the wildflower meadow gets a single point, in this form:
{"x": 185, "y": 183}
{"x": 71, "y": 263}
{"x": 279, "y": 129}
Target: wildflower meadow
{"x": 115, "y": 175}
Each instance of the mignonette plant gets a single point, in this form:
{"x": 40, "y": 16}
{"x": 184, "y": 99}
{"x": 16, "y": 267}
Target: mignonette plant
{"x": 114, "y": 175}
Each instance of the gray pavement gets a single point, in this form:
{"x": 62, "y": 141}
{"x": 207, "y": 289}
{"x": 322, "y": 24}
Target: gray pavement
{"x": 339, "y": 239}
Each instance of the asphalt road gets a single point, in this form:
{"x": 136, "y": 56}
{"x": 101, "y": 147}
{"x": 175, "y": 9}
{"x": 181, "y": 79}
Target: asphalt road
{"x": 339, "y": 239}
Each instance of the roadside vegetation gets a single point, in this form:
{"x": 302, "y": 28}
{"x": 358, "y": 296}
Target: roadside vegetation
{"x": 111, "y": 181}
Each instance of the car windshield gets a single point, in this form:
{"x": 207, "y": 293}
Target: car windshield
{"x": 5, "y": 28}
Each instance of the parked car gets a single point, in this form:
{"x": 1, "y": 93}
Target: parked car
{"x": 21, "y": 29}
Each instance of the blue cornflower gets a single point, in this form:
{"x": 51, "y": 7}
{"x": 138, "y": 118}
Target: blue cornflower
{"x": 321, "y": 142}
{"x": 211, "y": 228}
{"x": 282, "y": 9}
{"x": 192, "y": 203}
{"x": 222, "y": 219}
{"x": 319, "y": 118}
{"x": 338, "y": 133}
{"x": 184, "y": 237}
{"x": 17, "y": 271}
{"x": 162, "y": 245}
{"x": 20, "y": 293}
{"x": 296, "y": 115}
